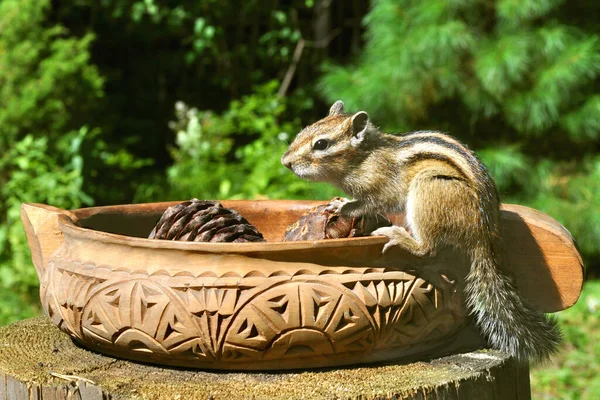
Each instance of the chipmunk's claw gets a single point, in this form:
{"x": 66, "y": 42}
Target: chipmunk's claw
{"x": 387, "y": 246}
{"x": 335, "y": 205}
{"x": 391, "y": 232}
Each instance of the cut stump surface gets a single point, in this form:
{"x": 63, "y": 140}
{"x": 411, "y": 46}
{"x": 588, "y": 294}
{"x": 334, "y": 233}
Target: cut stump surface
{"x": 37, "y": 361}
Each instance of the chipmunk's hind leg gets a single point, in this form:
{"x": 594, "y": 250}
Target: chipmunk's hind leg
{"x": 416, "y": 243}
{"x": 434, "y": 215}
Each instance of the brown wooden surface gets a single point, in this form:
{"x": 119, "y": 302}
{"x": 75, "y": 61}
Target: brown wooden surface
{"x": 37, "y": 361}
{"x": 538, "y": 251}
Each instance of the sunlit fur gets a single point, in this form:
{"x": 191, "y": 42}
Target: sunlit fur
{"x": 449, "y": 200}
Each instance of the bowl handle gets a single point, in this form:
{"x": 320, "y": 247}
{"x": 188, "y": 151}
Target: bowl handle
{"x": 43, "y": 234}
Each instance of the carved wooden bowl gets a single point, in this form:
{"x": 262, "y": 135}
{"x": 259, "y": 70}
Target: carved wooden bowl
{"x": 272, "y": 305}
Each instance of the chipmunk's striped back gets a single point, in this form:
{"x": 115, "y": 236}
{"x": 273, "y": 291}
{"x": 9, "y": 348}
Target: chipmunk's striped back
{"x": 424, "y": 149}
{"x": 416, "y": 147}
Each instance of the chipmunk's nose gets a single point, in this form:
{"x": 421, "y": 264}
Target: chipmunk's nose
{"x": 285, "y": 160}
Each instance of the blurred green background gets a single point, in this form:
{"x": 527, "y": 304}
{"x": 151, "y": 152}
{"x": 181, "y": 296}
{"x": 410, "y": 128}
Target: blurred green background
{"x": 121, "y": 101}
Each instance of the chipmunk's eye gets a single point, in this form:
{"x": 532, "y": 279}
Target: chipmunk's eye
{"x": 321, "y": 144}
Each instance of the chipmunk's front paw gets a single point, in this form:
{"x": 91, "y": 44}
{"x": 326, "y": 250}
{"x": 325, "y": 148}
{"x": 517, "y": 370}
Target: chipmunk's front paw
{"x": 394, "y": 233}
{"x": 336, "y": 204}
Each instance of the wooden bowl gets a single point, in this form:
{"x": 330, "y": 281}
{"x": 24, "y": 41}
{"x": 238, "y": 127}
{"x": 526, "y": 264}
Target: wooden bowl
{"x": 273, "y": 305}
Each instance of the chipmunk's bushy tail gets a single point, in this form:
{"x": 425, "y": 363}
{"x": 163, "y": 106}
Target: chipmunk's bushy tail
{"x": 505, "y": 319}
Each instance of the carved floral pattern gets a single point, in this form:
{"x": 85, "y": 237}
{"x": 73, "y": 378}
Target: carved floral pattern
{"x": 218, "y": 321}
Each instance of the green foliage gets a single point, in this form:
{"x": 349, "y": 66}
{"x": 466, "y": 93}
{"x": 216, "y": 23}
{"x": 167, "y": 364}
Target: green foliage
{"x": 37, "y": 175}
{"x": 45, "y": 75}
{"x": 237, "y": 154}
{"x": 516, "y": 79}
{"x": 507, "y": 164}
{"x": 47, "y": 84}
{"x": 224, "y": 40}
{"x": 575, "y": 372}
{"x": 155, "y": 53}
{"x": 571, "y": 193}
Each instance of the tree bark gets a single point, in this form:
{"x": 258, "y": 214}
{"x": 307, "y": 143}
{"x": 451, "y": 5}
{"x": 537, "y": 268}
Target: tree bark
{"x": 322, "y": 24}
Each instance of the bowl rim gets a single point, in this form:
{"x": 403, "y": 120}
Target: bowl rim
{"x": 68, "y": 222}
{"x": 69, "y": 227}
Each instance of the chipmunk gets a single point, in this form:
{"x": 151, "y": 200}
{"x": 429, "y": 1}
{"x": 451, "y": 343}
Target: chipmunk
{"x": 448, "y": 198}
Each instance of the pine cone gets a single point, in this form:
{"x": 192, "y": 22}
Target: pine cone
{"x": 204, "y": 221}
{"x": 319, "y": 224}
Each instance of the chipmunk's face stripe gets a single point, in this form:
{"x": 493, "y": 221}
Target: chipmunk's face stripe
{"x": 331, "y": 128}
{"x": 309, "y": 157}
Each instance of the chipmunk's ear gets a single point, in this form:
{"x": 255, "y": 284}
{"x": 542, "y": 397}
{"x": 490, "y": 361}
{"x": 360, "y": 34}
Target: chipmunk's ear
{"x": 336, "y": 108}
{"x": 360, "y": 120}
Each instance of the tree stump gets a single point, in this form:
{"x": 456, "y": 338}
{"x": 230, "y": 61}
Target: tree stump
{"x": 37, "y": 361}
